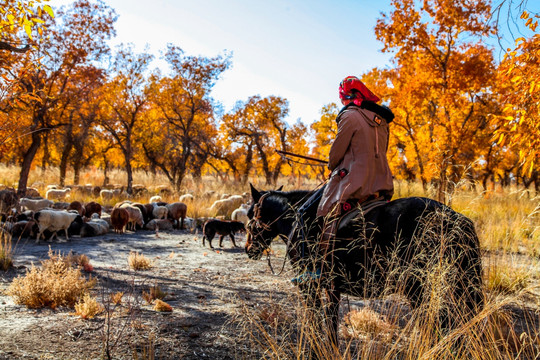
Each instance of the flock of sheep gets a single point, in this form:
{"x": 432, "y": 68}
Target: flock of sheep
{"x": 39, "y": 217}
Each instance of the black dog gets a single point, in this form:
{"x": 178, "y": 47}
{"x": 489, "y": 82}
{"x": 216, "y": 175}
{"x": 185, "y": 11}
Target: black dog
{"x": 223, "y": 228}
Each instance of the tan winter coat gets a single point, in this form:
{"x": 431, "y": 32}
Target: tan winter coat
{"x": 359, "y": 148}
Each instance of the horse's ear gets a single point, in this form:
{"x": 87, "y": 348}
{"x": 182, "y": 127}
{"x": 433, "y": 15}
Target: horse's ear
{"x": 280, "y": 188}
{"x": 255, "y": 194}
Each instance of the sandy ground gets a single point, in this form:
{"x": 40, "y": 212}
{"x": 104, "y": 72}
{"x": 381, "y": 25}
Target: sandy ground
{"x": 205, "y": 288}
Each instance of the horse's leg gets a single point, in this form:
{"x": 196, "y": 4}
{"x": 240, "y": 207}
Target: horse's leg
{"x": 313, "y": 328}
{"x": 332, "y": 315}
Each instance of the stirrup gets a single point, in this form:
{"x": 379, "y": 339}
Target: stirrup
{"x": 307, "y": 276}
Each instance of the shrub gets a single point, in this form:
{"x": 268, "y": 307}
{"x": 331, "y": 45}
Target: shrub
{"x": 366, "y": 322}
{"x": 154, "y": 293}
{"x": 57, "y": 283}
{"x": 162, "y": 306}
{"x": 139, "y": 261}
{"x": 88, "y": 307}
{"x": 116, "y": 298}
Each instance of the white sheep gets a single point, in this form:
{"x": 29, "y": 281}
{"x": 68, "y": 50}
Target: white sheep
{"x": 53, "y": 221}
{"x": 135, "y": 216}
{"x": 240, "y": 214}
{"x": 36, "y": 204}
{"x": 222, "y": 207}
{"x": 189, "y": 223}
{"x": 155, "y": 199}
{"x": 96, "y": 218}
{"x": 58, "y": 194}
{"x": 237, "y": 200}
{"x": 159, "y": 224}
{"x": 186, "y": 198}
{"x": 109, "y": 194}
{"x": 160, "y": 212}
{"x": 100, "y": 226}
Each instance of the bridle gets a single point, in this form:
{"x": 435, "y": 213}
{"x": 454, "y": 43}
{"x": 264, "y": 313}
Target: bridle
{"x": 255, "y": 227}
{"x": 255, "y": 223}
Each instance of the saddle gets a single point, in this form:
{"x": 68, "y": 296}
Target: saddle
{"x": 362, "y": 208}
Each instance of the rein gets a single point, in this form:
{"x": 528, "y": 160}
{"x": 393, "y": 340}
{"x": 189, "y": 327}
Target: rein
{"x": 257, "y": 222}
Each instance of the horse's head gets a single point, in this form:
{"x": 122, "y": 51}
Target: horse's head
{"x": 261, "y": 228}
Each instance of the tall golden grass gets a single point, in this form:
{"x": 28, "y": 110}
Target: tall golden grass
{"x": 386, "y": 328}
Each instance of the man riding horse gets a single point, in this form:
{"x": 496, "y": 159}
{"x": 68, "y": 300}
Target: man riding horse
{"x": 358, "y": 164}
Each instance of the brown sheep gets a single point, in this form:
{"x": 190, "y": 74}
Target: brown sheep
{"x": 119, "y": 219}
{"x": 149, "y": 209}
{"x": 32, "y": 193}
{"x": 92, "y": 208}
{"x": 144, "y": 212}
{"x": 177, "y": 211}
{"x": 95, "y": 191}
{"x": 23, "y": 228}
{"x": 76, "y": 205}
{"x": 8, "y": 200}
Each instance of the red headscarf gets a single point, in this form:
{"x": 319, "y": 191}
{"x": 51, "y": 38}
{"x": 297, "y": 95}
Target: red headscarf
{"x": 362, "y": 93}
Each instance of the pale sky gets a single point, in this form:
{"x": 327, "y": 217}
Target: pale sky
{"x": 298, "y": 49}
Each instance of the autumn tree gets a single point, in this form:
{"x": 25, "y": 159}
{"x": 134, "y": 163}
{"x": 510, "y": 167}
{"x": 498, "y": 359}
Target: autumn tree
{"x": 82, "y": 115}
{"x": 125, "y": 101}
{"x": 18, "y": 20}
{"x": 440, "y": 87}
{"x": 298, "y": 137}
{"x": 183, "y": 129}
{"x": 258, "y": 126}
{"x": 325, "y": 130}
{"x": 519, "y": 84}
{"x": 76, "y": 37}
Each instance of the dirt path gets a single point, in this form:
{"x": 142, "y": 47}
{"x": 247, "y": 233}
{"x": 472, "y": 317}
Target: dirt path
{"x": 205, "y": 288}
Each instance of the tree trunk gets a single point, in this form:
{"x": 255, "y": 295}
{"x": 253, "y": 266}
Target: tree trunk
{"x": 27, "y": 163}
{"x": 77, "y": 164}
{"x": 129, "y": 172}
{"x": 64, "y": 161}
{"x": 249, "y": 164}
{"x": 46, "y": 154}
{"x": 105, "y": 170}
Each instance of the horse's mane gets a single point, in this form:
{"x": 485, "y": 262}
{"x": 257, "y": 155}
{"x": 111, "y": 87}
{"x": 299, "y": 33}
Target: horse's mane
{"x": 293, "y": 197}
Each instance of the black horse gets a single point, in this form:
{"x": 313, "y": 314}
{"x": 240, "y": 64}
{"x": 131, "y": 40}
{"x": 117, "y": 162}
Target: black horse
{"x": 401, "y": 246}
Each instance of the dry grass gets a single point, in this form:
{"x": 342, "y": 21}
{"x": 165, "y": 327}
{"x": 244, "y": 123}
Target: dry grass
{"x": 88, "y": 307}
{"x": 56, "y": 283}
{"x": 364, "y": 322}
{"x": 505, "y": 279}
{"x": 137, "y": 261}
{"x": 154, "y": 293}
{"x": 162, "y": 306}
{"x": 377, "y": 333}
{"x": 116, "y": 298}
{"x": 6, "y": 250}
